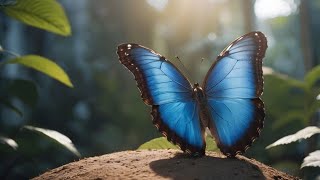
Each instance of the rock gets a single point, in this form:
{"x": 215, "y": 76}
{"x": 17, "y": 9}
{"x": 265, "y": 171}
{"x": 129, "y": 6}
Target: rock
{"x": 164, "y": 164}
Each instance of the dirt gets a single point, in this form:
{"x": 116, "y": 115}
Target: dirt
{"x": 164, "y": 164}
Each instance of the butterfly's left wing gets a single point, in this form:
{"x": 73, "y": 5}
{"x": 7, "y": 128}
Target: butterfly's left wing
{"x": 233, "y": 87}
{"x": 174, "y": 110}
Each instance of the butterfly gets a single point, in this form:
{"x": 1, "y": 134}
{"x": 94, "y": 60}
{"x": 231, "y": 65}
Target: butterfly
{"x": 228, "y": 101}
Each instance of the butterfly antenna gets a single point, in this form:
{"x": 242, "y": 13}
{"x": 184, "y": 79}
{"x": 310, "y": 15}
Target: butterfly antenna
{"x": 185, "y": 69}
{"x": 204, "y": 59}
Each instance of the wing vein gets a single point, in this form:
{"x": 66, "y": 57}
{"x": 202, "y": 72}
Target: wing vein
{"x": 222, "y": 78}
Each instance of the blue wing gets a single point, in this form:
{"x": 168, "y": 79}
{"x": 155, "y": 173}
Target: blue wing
{"x": 233, "y": 87}
{"x": 163, "y": 86}
{"x": 180, "y": 123}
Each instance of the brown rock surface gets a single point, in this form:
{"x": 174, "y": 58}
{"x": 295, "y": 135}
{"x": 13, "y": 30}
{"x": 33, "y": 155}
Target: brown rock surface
{"x": 164, "y": 164}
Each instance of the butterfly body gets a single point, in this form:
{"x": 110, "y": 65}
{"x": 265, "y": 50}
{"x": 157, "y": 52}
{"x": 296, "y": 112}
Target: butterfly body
{"x": 228, "y": 102}
{"x": 201, "y": 100}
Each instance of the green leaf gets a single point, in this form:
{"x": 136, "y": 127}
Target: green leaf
{"x": 8, "y": 104}
{"x": 163, "y": 143}
{"x": 25, "y": 90}
{"x": 290, "y": 119}
{"x": 58, "y": 137}
{"x": 211, "y": 144}
{"x": 277, "y": 90}
{"x": 313, "y": 78}
{"x": 314, "y": 106}
{"x": 45, "y": 14}
{"x": 302, "y": 134}
{"x": 158, "y": 143}
{"x": 312, "y": 160}
{"x": 43, "y": 65}
{"x": 9, "y": 142}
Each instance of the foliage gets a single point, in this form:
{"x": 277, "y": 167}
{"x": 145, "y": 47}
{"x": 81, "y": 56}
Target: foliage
{"x": 50, "y": 16}
{"x": 60, "y": 138}
{"x": 302, "y": 134}
{"x": 303, "y": 105}
{"x": 158, "y": 143}
{"x": 313, "y": 159}
{"x": 43, "y": 65}
{"x": 163, "y": 143}
{"x": 44, "y": 14}
{"x": 28, "y": 96}
{"x": 296, "y": 99}
{"x": 9, "y": 142}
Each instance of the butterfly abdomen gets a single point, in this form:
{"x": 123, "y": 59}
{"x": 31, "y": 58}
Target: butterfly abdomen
{"x": 199, "y": 95}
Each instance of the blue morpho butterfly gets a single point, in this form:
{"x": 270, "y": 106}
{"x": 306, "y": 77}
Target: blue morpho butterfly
{"x": 228, "y": 102}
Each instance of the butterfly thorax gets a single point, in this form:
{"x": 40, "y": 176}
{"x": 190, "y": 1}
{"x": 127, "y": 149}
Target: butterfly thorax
{"x": 198, "y": 93}
{"x": 201, "y": 99}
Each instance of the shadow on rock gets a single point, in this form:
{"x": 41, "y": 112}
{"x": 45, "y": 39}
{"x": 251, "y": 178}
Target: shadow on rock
{"x": 185, "y": 167}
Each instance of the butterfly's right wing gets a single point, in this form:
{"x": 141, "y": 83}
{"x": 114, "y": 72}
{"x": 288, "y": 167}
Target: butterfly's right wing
{"x": 174, "y": 110}
{"x": 233, "y": 87}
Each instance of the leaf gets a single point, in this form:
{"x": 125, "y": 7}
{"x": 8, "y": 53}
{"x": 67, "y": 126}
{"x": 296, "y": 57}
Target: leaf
{"x": 211, "y": 144}
{"x": 9, "y": 142}
{"x": 60, "y": 138}
{"x": 163, "y": 143}
{"x": 302, "y": 134}
{"x": 8, "y": 104}
{"x": 292, "y": 119}
{"x": 158, "y": 143}
{"x": 278, "y": 89}
{"x": 7, "y": 2}
{"x": 313, "y": 160}
{"x": 314, "y": 105}
{"x": 25, "y": 90}
{"x": 313, "y": 78}
{"x": 43, "y": 65}
{"x": 45, "y": 14}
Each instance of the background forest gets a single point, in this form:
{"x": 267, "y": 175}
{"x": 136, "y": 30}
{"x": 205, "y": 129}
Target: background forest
{"x": 103, "y": 112}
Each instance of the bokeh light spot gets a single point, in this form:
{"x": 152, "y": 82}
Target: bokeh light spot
{"x": 158, "y": 4}
{"x": 267, "y": 9}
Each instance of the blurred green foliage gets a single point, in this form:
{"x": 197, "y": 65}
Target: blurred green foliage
{"x": 290, "y": 104}
{"x": 50, "y": 16}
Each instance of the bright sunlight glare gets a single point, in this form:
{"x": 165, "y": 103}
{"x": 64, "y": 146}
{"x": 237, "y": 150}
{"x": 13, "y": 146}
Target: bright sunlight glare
{"x": 158, "y": 4}
{"x": 267, "y": 9}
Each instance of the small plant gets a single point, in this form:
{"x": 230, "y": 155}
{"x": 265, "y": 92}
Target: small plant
{"x": 313, "y": 159}
{"x": 293, "y": 103}
{"x": 163, "y": 143}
